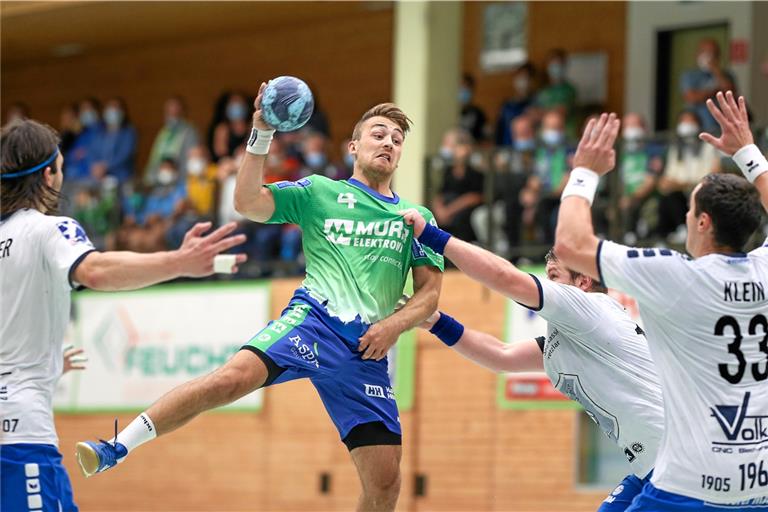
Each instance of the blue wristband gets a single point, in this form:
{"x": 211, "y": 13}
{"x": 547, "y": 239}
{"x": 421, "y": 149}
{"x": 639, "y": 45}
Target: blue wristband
{"x": 434, "y": 238}
{"x": 447, "y": 329}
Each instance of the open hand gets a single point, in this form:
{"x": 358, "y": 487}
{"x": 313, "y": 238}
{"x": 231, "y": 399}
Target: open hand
{"x": 733, "y": 121}
{"x": 197, "y": 251}
{"x": 595, "y": 151}
{"x": 73, "y": 360}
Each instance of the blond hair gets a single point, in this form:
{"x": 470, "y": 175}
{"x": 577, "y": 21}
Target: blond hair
{"x": 388, "y": 110}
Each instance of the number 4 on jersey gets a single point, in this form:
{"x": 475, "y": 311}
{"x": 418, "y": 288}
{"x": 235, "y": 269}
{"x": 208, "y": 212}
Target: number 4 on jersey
{"x": 347, "y": 198}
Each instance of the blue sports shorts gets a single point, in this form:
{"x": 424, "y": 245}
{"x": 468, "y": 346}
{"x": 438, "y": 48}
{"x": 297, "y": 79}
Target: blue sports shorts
{"x": 32, "y": 478}
{"x": 657, "y": 500}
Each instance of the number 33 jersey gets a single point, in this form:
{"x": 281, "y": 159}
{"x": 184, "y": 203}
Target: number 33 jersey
{"x": 707, "y": 327}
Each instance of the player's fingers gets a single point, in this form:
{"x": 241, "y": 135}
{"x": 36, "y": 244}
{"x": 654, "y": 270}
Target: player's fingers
{"x": 228, "y": 243}
{"x": 363, "y": 344}
{"x": 77, "y": 367}
{"x": 604, "y": 137}
{"x": 588, "y": 131}
{"x": 730, "y": 100}
{"x": 197, "y": 230}
{"x": 724, "y": 106}
{"x": 73, "y": 352}
{"x": 716, "y": 113}
{"x": 241, "y": 258}
{"x": 710, "y": 139}
{"x": 598, "y": 129}
{"x": 221, "y": 232}
{"x": 743, "y": 109}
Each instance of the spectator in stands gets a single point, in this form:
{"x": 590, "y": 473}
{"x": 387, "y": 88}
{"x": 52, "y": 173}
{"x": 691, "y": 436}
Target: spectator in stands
{"x": 96, "y": 208}
{"x": 559, "y": 94}
{"x": 640, "y": 164}
{"x": 688, "y": 161}
{"x": 522, "y": 98}
{"x": 703, "y": 82}
{"x": 81, "y": 153}
{"x": 16, "y": 111}
{"x": 318, "y": 121}
{"x": 165, "y": 203}
{"x": 462, "y": 188}
{"x": 314, "y": 155}
{"x": 69, "y": 127}
{"x": 173, "y": 141}
{"x": 115, "y": 147}
{"x": 231, "y": 133}
{"x": 540, "y": 197}
{"x": 346, "y": 163}
{"x": 202, "y": 184}
{"x": 472, "y": 118}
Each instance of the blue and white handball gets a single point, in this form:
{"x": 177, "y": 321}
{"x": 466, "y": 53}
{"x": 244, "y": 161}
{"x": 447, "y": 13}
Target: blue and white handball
{"x": 287, "y": 103}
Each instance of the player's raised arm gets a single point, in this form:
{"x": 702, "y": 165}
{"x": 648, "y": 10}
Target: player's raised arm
{"x": 124, "y": 270}
{"x": 252, "y": 199}
{"x": 736, "y": 140}
{"x": 481, "y": 265}
{"x": 575, "y": 241}
{"x": 484, "y": 349}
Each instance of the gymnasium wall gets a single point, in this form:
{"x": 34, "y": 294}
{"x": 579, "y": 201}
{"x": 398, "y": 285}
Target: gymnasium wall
{"x": 472, "y": 455}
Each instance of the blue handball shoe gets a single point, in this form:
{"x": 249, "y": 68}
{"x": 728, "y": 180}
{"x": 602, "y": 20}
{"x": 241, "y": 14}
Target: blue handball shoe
{"x": 97, "y": 457}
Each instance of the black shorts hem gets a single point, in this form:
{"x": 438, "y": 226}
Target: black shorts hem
{"x": 273, "y": 370}
{"x": 374, "y": 433}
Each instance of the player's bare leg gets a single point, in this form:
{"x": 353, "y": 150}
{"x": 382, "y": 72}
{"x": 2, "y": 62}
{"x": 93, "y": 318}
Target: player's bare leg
{"x": 379, "y": 471}
{"x": 241, "y": 375}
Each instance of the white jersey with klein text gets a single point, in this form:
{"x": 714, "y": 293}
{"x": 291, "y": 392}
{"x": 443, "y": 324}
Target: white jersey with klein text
{"x": 707, "y": 326}
{"x": 37, "y": 254}
{"x": 595, "y": 354}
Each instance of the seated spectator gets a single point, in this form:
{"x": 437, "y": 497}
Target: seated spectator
{"x": 69, "y": 127}
{"x": 115, "y": 146}
{"x": 149, "y": 229}
{"x": 522, "y": 98}
{"x": 688, "y": 161}
{"x": 541, "y": 196}
{"x": 462, "y": 188}
{"x": 231, "y": 133}
{"x": 704, "y": 81}
{"x": 472, "y": 118}
{"x": 201, "y": 183}
{"x": 346, "y": 165}
{"x": 174, "y": 140}
{"x": 96, "y": 208}
{"x": 82, "y": 152}
{"x": 314, "y": 155}
{"x": 640, "y": 164}
{"x": 559, "y": 94}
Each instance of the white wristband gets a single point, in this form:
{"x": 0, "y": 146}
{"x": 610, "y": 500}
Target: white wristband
{"x": 751, "y": 162}
{"x": 259, "y": 141}
{"x": 583, "y": 183}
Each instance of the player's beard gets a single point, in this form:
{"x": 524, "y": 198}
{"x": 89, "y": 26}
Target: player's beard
{"x": 377, "y": 175}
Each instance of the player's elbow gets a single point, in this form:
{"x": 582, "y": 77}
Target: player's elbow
{"x": 91, "y": 275}
{"x": 566, "y": 248}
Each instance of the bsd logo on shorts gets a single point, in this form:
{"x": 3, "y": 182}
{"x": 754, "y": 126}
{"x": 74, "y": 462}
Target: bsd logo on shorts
{"x": 374, "y": 391}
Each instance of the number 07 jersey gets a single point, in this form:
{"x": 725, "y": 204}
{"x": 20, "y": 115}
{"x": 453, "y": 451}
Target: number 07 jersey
{"x": 707, "y": 327}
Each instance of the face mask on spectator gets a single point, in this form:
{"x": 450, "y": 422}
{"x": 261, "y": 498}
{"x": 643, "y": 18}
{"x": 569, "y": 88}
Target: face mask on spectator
{"x": 522, "y": 83}
{"x": 687, "y": 130}
{"x": 704, "y": 61}
{"x": 446, "y": 153}
{"x": 465, "y": 95}
{"x": 165, "y": 176}
{"x": 88, "y": 117}
{"x": 113, "y": 116}
{"x": 236, "y": 111}
{"x": 633, "y": 133}
{"x": 551, "y": 137}
{"x": 524, "y": 144}
{"x": 315, "y": 159}
{"x": 171, "y": 121}
{"x": 556, "y": 71}
{"x": 349, "y": 160}
{"x": 195, "y": 166}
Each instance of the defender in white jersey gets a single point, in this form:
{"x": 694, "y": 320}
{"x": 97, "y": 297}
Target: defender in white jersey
{"x": 705, "y": 318}
{"x": 42, "y": 258}
{"x": 594, "y": 353}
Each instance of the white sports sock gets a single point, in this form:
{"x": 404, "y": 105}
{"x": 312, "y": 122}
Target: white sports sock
{"x": 138, "y": 432}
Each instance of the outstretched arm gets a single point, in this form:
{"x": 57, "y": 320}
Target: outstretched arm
{"x": 486, "y": 350}
{"x": 481, "y": 265}
{"x": 252, "y": 199}
{"x": 575, "y": 241}
{"x": 124, "y": 270}
{"x": 736, "y": 140}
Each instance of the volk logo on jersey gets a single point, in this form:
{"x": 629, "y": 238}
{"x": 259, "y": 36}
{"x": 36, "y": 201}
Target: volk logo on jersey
{"x": 73, "y": 232}
{"x": 740, "y": 428}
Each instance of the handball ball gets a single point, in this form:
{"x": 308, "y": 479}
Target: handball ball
{"x": 287, "y": 103}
